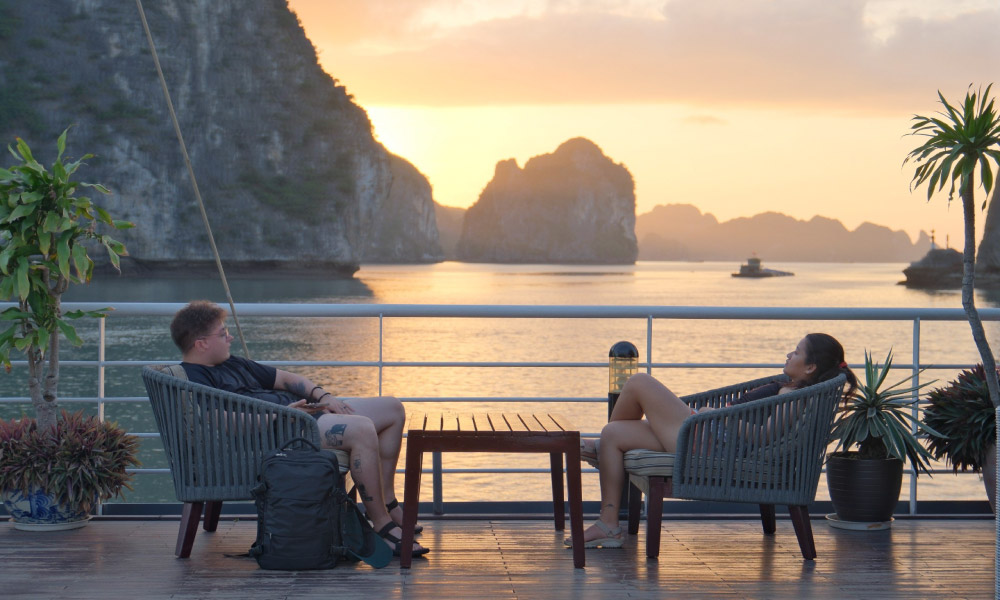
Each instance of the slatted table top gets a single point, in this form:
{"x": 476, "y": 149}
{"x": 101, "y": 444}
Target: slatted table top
{"x": 489, "y": 423}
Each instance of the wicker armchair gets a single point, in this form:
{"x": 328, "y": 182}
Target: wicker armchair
{"x": 214, "y": 441}
{"x": 764, "y": 452}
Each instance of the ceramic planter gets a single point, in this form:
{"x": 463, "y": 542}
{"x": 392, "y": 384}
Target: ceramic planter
{"x": 864, "y": 490}
{"x": 36, "y": 510}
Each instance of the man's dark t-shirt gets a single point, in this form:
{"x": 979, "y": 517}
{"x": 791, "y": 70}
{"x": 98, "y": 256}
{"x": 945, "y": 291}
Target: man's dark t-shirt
{"x": 241, "y": 376}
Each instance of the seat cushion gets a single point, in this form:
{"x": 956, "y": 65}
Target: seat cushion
{"x": 174, "y": 370}
{"x": 647, "y": 463}
{"x": 343, "y": 461}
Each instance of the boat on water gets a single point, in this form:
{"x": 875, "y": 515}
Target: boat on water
{"x": 753, "y": 269}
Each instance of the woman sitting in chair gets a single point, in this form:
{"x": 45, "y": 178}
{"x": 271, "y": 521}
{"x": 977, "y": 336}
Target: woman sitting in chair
{"x": 817, "y": 357}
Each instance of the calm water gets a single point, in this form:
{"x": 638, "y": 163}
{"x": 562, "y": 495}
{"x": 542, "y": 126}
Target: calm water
{"x": 651, "y": 283}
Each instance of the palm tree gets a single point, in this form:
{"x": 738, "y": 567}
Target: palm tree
{"x": 959, "y": 144}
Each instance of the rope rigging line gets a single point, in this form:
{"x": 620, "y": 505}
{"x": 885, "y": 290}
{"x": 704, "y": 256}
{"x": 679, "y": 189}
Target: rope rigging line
{"x": 194, "y": 181}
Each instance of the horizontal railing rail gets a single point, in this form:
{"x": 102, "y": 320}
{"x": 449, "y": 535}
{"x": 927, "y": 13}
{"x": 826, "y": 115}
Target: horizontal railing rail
{"x": 423, "y": 311}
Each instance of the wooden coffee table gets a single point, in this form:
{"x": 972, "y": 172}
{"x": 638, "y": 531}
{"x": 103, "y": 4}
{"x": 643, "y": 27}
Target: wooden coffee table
{"x": 496, "y": 432}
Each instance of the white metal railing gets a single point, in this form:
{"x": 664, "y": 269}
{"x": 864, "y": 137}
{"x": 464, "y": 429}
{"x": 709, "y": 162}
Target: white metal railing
{"x": 427, "y": 311}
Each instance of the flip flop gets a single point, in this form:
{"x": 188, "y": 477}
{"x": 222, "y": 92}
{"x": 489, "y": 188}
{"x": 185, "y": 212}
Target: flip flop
{"x": 612, "y": 538}
{"x": 589, "y": 453}
{"x": 394, "y": 541}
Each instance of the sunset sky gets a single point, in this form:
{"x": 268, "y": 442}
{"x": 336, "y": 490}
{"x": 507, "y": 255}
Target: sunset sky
{"x": 735, "y": 106}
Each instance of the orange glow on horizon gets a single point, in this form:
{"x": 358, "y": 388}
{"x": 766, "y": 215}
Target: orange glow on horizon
{"x": 735, "y": 107}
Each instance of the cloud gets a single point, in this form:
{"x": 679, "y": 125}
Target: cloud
{"x": 771, "y": 53}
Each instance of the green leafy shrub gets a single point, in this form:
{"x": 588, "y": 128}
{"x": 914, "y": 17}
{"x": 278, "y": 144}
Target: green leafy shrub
{"x": 963, "y": 420}
{"x": 78, "y": 461}
{"x": 44, "y": 231}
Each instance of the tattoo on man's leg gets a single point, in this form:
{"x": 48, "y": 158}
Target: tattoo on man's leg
{"x": 357, "y": 464}
{"x": 335, "y": 435}
{"x": 364, "y": 494}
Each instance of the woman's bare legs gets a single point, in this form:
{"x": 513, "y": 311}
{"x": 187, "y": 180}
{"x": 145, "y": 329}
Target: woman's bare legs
{"x": 644, "y": 395}
{"x": 626, "y": 430}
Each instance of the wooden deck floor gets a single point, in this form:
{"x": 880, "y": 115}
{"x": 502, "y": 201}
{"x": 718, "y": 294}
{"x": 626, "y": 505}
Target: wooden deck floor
{"x": 514, "y": 559}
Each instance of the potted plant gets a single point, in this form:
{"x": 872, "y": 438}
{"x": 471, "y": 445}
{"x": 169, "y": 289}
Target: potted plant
{"x": 864, "y": 483}
{"x": 963, "y": 422}
{"x": 51, "y": 478}
{"x": 45, "y": 229}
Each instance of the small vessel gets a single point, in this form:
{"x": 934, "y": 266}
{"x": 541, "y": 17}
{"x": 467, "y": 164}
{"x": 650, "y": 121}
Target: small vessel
{"x": 753, "y": 269}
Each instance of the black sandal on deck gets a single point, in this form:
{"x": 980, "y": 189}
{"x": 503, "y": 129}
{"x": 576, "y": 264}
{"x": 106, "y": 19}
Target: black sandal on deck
{"x": 395, "y": 541}
{"x": 417, "y": 529}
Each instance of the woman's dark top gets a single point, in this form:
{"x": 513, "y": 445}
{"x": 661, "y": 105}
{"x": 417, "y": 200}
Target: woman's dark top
{"x": 758, "y": 393}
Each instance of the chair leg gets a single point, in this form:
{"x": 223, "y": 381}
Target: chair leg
{"x": 188, "y": 528}
{"x": 654, "y": 516}
{"x": 767, "y": 519}
{"x": 212, "y": 512}
{"x": 634, "y": 506}
{"x": 803, "y": 531}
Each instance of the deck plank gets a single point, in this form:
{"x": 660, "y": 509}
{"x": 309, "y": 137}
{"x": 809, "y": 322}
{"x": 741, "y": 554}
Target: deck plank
{"x": 499, "y": 559}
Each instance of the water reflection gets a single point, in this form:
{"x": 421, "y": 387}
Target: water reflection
{"x": 501, "y": 340}
{"x": 110, "y": 288}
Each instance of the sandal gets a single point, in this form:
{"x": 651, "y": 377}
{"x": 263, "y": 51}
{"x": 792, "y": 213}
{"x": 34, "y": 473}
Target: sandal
{"x": 612, "y": 538}
{"x": 395, "y": 503}
{"x": 589, "y": 453}
{"x": 395, "y": 541}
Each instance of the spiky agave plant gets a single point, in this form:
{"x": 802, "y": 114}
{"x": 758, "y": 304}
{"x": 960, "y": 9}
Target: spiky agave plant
{"x": 963, "y": 421}
{"x": 878, "y": 421}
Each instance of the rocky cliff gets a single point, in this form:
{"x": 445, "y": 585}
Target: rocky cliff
{"x": 406, "y": 228}
{"x": 449, "y": 224}
{"x": 286, "y": 161}
{"x": 682, "y": 232}
{"x": 572, "y": 206}
{"x": 988, "y": 256}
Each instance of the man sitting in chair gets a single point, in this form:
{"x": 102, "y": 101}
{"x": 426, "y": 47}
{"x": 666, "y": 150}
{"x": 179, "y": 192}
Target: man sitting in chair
{"x": 370, "y": 429}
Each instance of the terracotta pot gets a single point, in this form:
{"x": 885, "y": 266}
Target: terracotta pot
{"x": 990, "y": 476}
{"x": 864, "y": 489}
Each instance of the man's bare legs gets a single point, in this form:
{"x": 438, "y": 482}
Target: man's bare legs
{"x": 626, "y": 430}
{"x": 387, "y": 415}
{"x": 357, "y": 434}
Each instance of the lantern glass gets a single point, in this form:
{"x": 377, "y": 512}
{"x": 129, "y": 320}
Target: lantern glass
{"x": 623, "y": 362}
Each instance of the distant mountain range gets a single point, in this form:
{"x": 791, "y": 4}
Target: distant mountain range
{"x": 683, "y": 232}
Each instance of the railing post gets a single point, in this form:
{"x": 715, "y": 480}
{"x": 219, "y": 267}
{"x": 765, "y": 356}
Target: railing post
{"x": 437, "y": 483}
{"x": 649, "y": 345}
{"x": 916, "y": 409}
{"x": 100, "y": 385}
{"x": 100, "y": 368}
{"x": 381, "y": 340}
